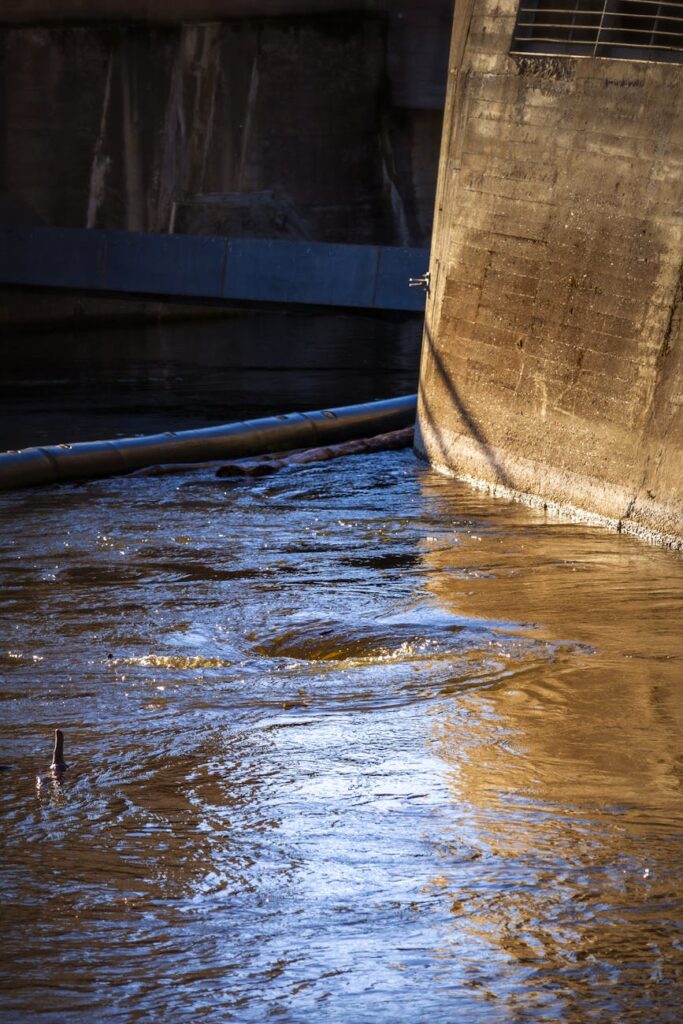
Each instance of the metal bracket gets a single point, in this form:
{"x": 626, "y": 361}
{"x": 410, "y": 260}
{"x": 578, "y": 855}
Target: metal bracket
{"x": 420, "y": 282}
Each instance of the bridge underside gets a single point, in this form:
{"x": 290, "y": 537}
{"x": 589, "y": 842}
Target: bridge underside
{"x": 212, "y": 269}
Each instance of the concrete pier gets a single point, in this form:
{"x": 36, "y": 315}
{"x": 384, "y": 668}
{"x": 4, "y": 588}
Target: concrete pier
{"x": 552, "y": 361}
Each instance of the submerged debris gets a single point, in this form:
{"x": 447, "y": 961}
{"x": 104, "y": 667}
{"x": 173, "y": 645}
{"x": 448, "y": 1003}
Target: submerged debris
{"x": 58, "y": 765}
{"x": 263, "y": 465}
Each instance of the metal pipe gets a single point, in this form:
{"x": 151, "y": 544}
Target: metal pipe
{"x": 63, "y": 462}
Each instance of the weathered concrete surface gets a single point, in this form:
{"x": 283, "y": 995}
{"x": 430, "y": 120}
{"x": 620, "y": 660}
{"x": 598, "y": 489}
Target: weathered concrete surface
{"x": 333, "y": 114}
{"x": 552, "y": 358}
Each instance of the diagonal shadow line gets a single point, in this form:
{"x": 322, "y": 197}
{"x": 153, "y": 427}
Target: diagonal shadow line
{"x": 467, "y": 418}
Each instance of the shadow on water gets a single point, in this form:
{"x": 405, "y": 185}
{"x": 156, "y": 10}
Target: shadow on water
{"x": 92, "y": 384}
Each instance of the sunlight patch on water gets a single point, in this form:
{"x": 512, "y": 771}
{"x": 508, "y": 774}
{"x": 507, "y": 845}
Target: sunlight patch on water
{"x": 174, "y": 661}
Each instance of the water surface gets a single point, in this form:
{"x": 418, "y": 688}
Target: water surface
{"x": 349, "y": 743}
{"x": 67, "y": 385}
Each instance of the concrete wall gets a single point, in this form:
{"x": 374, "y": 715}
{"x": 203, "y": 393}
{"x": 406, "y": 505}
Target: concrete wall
{"x": 553, "y": 354}
{"x": 284, "y": 119}
{"x": 170, "y": 11}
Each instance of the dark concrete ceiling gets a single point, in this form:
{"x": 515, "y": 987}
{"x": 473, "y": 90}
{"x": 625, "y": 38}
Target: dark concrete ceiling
{"x": 24, "y": 11}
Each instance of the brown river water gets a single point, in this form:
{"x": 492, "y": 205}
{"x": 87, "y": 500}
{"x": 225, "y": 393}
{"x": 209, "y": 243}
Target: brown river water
{"x": 349, "y": 743}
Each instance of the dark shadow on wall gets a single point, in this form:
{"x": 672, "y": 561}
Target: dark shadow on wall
{"x": 469, "y": 423}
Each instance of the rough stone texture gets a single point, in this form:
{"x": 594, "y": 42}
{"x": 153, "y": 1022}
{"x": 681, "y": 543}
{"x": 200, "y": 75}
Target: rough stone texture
{"x": 552, "y": 355}
{"x": 151, "y": 125}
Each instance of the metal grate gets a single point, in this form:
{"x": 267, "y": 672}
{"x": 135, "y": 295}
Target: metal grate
{"x": 623, "y": 29}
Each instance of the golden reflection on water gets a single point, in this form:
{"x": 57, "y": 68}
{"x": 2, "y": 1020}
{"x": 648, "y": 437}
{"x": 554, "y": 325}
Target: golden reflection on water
{"x": 569, "y": 771}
